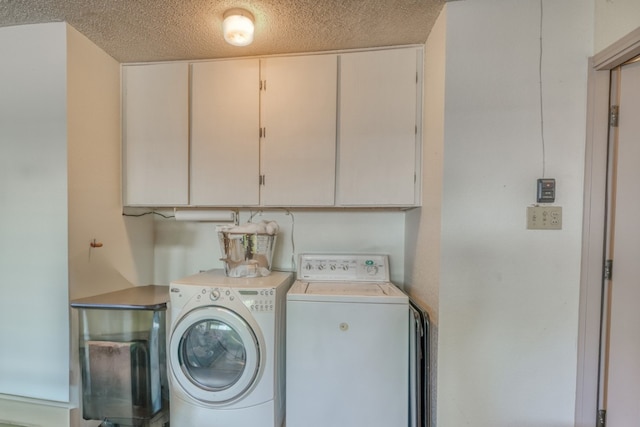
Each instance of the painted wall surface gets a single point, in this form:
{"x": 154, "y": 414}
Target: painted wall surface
{"x": 125, "y": 258}
{"x": 614, "y": 19}
{"x": 509, "y": 296}
{"x": 423, "y": 224}
{"x": 184, "y": 248}
{"x": 34, "y": 349}
{"x": 95, "y": 210}
{"x": 422, "y": 232}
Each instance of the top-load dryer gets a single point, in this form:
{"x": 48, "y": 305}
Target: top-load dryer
{"x": 226, "y": 350}
{"x": 347, "y": 344}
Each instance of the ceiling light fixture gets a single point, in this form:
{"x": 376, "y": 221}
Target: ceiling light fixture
{"x": 238, "y": 27}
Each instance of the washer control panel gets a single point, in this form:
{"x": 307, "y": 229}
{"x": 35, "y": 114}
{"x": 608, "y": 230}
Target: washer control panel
{"x": 256, "y": 300}
{"x": 344, "y": 267}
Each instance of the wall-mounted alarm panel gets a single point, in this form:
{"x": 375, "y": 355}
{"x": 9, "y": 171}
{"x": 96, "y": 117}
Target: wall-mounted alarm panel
{"x": 546, "y": 190}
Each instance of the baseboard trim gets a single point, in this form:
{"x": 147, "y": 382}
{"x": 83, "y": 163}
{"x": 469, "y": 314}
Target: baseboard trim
{"x": 26, "y": 412}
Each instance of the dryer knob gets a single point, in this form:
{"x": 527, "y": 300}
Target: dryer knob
{"x": 214, "y": 295}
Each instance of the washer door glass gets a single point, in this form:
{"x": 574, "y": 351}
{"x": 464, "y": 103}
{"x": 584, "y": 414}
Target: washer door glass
{"x": 214, "y": 355}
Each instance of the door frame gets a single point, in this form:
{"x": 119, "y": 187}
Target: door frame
{"x": 595, "y": 222}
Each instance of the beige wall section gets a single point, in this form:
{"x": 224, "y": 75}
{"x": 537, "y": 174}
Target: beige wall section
{"x": 613, "y": 20}
{"x": 508, "y": 300}
{"x": 125, "y": 258}
{"x": 183, "y": 248}
{"x": 422, "y": 235}
{"x": 95, "y": 210}
{"x": 423, "y": 225}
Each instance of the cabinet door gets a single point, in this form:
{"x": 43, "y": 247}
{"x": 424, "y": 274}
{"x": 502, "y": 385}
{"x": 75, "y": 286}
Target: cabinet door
{"x": 299, "y": 124}
{"x": 378, "y": 135}
{"x": 225, "y": 133}
{"x": 156, "y": 134}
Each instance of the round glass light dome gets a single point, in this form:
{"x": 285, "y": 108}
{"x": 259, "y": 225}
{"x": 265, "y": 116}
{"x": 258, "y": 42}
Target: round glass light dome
{"x": 238, "y": 27}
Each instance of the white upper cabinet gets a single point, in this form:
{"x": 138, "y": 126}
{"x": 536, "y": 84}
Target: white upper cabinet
{"x": 225, "y": 100}
{"x": 156, "y": 134}
{"x": 297, "y": 131}
{"x": 298, "y": 120}
{"x": 379, "y": 128}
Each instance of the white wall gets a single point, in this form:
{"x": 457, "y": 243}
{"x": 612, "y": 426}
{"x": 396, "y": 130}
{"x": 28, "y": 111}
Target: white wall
{"x": 125, "y": 258}
{"x": 34, "y": 337}
{"x": 508, "y": 308}
{"x": 423, "y": 224}
{"x": 95, "y": 209}
{"x": 59, "y": 190}
{"x": 422, "y": 237}
{"x": 614, "y": 19}
{"x": 184, "y": 248}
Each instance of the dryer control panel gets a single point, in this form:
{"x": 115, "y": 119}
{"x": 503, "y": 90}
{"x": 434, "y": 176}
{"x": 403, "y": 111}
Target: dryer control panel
{"x": 344, "y": 267}
{"x": 258, "y": 300}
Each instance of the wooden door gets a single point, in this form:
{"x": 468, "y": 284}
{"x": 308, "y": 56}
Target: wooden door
{"x": 621, "y": 350}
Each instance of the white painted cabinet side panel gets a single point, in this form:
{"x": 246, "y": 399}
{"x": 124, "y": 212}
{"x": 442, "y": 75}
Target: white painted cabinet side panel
{"x": 299, "y": 117}
{"x": 156, "y": 134}
{"x": 224, "y": 134}
{"x": 377, "y": 130}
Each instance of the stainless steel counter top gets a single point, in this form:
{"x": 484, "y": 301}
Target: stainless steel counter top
{"x": 150, "y": 297}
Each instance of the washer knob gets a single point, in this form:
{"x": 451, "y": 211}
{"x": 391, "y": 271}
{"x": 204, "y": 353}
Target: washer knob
{"x": 372, "y": 270}
{"x": 214, "y": 295}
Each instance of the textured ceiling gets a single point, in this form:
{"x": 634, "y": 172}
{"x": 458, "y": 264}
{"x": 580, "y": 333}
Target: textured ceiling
{"x": 159, "y": 30}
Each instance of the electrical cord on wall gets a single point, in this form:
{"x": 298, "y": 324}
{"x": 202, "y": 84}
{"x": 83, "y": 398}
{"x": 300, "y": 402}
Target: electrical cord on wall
{"x": 541, "y": 97}
{"x": 293, "y": 243}
{"x": 149, "y": 213}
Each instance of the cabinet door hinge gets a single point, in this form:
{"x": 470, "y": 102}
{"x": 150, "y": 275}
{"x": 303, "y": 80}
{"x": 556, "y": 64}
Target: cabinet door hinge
{"x": 614, "y": 115}
{"x": 608, "y": 269}
{"x": 601, "y": 419}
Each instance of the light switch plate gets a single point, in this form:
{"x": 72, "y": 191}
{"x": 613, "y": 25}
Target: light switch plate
{"x": 544, "y": 217}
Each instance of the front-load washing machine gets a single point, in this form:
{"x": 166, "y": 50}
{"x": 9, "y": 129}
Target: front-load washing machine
{"x": 347, "y": 344}
{"x": 226, "y": 350}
